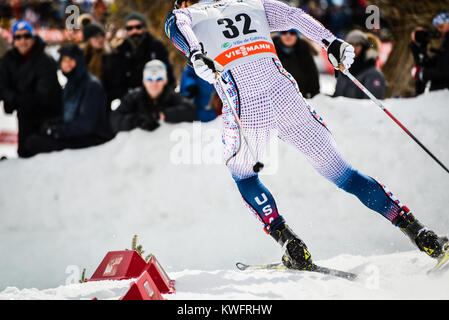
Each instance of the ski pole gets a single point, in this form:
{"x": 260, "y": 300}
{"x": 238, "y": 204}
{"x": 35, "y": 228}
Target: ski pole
{"x": 259, "y": 165}
{"x": 381, "y": 105}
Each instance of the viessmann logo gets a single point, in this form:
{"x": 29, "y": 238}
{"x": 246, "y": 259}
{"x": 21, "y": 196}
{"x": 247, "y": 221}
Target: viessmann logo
{"x": 245, "y": 50}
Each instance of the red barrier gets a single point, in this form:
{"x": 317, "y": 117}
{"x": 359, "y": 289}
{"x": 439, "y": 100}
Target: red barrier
{"x": 119, "y": 265}
{"x": 152, "y": 278}
{"x": 159, "y": 276}
{"x": 143, "y": 289}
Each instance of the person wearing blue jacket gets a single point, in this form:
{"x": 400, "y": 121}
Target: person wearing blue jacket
{"x": 85, "y": 116}
{"x": 193, "y": 87}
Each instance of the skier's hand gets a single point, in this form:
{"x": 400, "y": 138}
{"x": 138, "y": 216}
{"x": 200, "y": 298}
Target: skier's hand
{"x": 339, "y": 53}
{"x": 205, "y": 67}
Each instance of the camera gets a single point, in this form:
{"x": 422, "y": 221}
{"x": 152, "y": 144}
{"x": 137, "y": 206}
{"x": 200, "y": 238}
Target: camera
{"x": 423, "y": 37}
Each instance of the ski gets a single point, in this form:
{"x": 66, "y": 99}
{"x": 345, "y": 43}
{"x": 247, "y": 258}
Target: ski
{"x": 443, "y": 262}
{"x": 279, "y": 266}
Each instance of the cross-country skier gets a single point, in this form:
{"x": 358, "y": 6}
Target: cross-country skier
{"x": 236, "y": 35}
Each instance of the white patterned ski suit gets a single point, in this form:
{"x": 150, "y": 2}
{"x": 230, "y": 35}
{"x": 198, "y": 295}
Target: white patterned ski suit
{"x": 266, "y": 97}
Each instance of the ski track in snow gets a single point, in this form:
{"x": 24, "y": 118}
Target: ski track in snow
{"x": 64, "y": 211}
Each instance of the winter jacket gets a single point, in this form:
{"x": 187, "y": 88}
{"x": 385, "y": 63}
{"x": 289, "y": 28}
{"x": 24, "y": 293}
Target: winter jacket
{"x": 435, "y": 68}
{"x": 298, "y": 61}
{"x": 192, "y": 86}
{"x": 85, "y": 112}
{"x": 129, "y": 63}
{"x": 30, "y": 86}
{"x": 138, "y": 110}
{"x": 364, "y": 69}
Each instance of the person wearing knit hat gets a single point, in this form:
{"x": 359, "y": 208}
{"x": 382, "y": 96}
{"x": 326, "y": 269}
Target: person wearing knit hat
{"x": 366, "y": 49}
{"x": 136, "y": 16}
{"x": 440, "y": 18}
{"x": 139, "y": 47}
{"x": 85, "y": 119}
{"x": 23, "y": 36}
{"x": 433, "y": 70}
{"x": 154, "y": 70}
{"x": 99, "y": 57}
{"x": 152, "y": 102}
{"x": 22, "y": 25}
{"x": 29, "y": 83}
{"x": 93, "y": 30}
{"x": 441, "y": 23}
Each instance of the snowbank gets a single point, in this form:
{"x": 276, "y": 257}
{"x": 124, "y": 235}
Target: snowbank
{"x": 380, "y": 277}
{"x": 63, "y": 211}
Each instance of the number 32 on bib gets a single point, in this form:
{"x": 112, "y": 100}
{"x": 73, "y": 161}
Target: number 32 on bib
{"x": 233, "y": 32}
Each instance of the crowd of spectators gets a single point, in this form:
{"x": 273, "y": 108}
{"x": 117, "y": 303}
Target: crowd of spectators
{"x": 138, "y": 73}
{"x": 48, "y": 13}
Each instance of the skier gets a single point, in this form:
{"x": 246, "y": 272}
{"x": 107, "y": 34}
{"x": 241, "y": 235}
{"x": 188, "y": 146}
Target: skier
{"x": 236, "y": 35}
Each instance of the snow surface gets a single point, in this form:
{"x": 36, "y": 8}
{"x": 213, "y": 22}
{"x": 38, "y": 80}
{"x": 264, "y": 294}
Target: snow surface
{"x": 8, "y": 123}
{"x": 64, "y": 211}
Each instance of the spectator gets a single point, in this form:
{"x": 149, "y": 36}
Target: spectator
{"x": 296, "y": 57}
{"x": 433, "y": 69}
{"x": 99, "y": 57}
{"x": 364, "y": 68}
{"x": 3, "y": 47}
{"x": 85, "y": 121}
{"x": 29, "y": 83}
{"x": 145, "y": 106}
{"x": 100, "y": 10}
{"x": 193, "y": 87}
{"x": 137, "y": 49}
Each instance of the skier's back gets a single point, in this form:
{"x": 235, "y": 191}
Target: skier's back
{"x": 236, "y": 35}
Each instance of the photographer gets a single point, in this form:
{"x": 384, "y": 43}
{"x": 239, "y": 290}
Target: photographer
{"x": 435, "y": 68}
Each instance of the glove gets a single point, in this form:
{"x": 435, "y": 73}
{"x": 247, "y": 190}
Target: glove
{"x": 340, "y": 53}
{"x": 205, "y": 67}
{"x": 148, "y": 122}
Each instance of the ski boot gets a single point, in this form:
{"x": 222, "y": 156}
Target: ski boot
{"x": 426, "y": 240}
{"x": 296, "y": 255}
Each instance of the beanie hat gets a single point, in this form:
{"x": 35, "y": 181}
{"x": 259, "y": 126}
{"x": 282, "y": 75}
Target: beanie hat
{"x": 22, "y": 25}
{"x": 136, "y": 16}
{"x": 357, "y": 36}
{"x": 91, "y": 30}
{"x": 72, "y": 51}
{"x": 440, "y": 18}
{"x": 155, "y": 70}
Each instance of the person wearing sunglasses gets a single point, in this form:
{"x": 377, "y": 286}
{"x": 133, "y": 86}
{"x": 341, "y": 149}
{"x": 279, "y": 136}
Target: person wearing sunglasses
{"x": 296, "y": 55}
{"x": 29, "y": 83}
{"x": 146, "y": 106}
{"x": 137, "y": 49}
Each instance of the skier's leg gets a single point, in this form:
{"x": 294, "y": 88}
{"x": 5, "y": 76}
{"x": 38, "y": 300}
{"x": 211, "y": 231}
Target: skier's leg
{"x": 237, "y": 154}
{"x": 258, "y": 119}
{"x": 299, "y": 125}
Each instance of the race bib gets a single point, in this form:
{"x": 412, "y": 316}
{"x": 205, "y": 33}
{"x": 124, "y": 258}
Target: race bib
{"x": 233, "y": 32}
